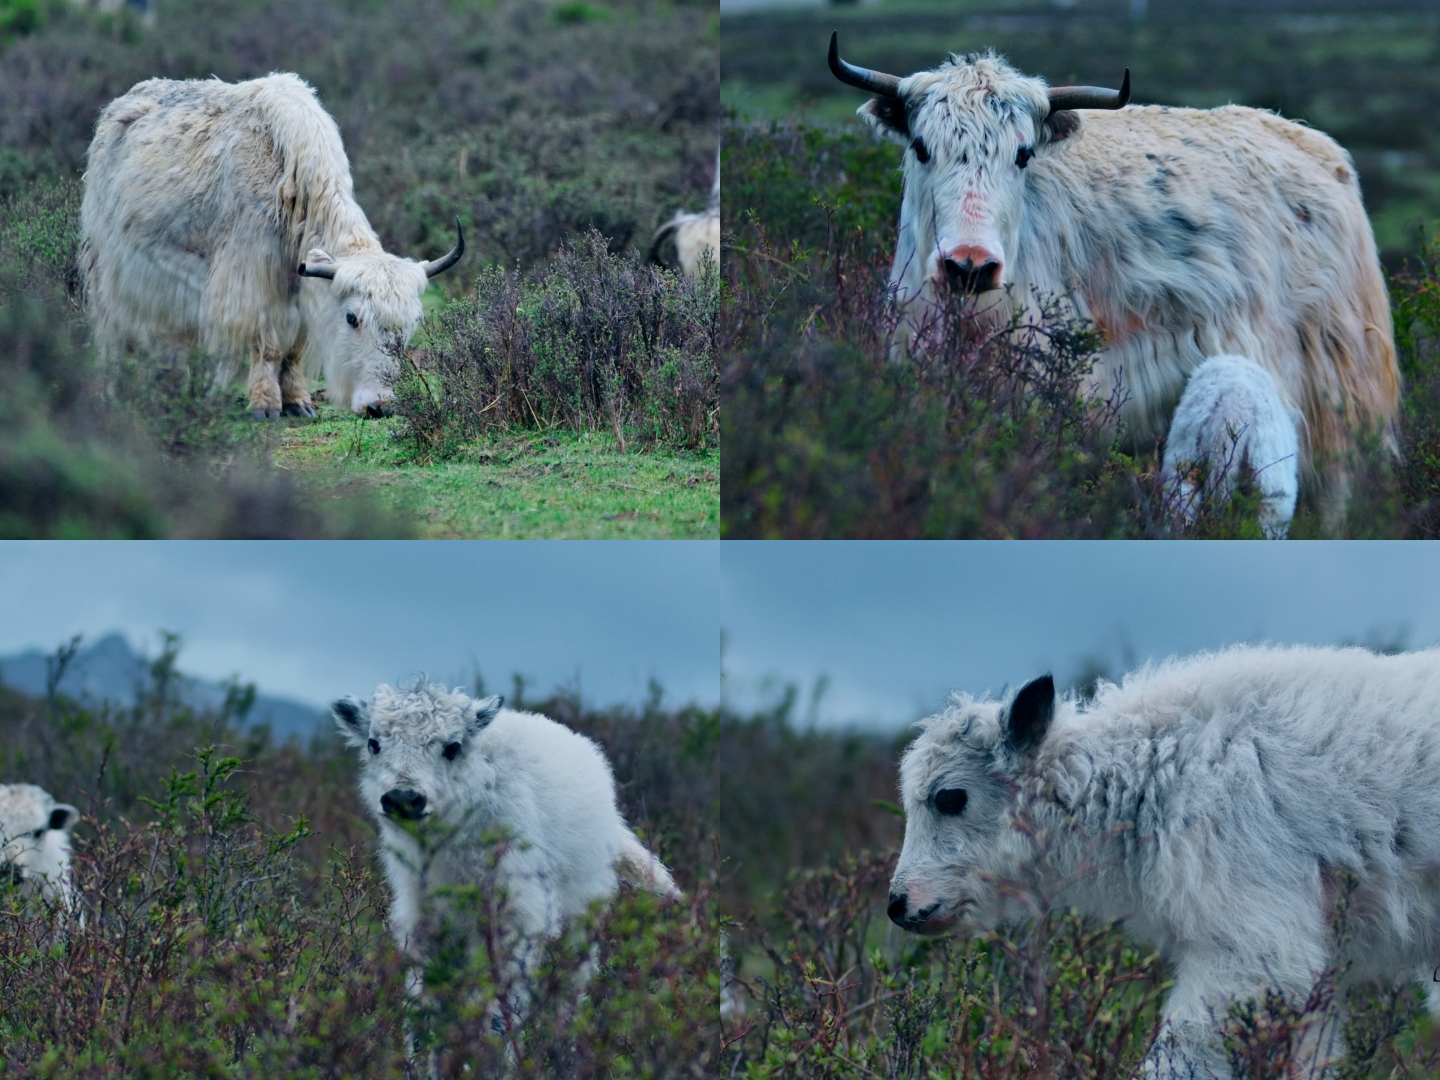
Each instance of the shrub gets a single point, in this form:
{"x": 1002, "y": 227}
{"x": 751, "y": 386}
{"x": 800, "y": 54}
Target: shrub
{"x": 595, "y": 342}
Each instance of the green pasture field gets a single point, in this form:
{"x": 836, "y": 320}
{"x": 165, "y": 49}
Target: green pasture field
{"x": 525, "y": 484}
{"x": 1355, "y": 72}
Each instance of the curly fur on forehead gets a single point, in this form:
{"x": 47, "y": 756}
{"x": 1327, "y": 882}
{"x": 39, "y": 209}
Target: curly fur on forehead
{"x": 391, "y": 285}
{"x": 419, "y": 715}
{"x": 973, "y": 91}
{"x": 967, "y": 728}
{"x": 23, "y": 809}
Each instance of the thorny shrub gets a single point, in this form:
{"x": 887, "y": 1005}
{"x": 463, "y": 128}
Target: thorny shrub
{"x": 594, "y": 342}
{"x": 231, "y": 919}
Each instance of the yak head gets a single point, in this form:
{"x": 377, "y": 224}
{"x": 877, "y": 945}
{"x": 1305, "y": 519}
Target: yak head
{"x": 957, "y": 780}
{"x": 971, "y": 129}
{"x": 360, "y": 316}
{"x": 35, "y": 841}
{"x": 418, "y": 751}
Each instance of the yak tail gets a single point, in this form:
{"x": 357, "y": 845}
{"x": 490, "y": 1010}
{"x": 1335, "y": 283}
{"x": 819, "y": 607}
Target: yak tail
{"x": 638, "y": 866}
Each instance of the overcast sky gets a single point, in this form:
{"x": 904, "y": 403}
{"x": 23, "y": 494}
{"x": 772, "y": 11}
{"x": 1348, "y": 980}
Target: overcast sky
{"x": 313, "y": 621}
{"x": 896, "y": 626}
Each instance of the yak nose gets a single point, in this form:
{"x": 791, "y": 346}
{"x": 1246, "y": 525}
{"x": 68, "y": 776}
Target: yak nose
{"x": 896, "y": 910}
{"x": 971, "y": 269}
{"x": 403, "y": 803}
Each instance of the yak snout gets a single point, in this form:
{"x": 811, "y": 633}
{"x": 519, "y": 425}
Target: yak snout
{"x": 971, "y": 269}
{"x": 901, "y": 915}
{"x": 403, "y": 803}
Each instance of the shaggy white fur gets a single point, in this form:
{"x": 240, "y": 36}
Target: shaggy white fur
{"x": 202, "y": 200}
{"x": 1215, "y": 804}
{"x": 475, "y": 768}
{"x": 694, "y": 234}
{"x": 35, "y": 842}
{"x": 1183, "y": 233}
{"x": 1232, "y": 417}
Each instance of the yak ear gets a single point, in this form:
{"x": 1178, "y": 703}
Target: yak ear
{"x": 886, "y": 117}
{"x": 1059, "y": 126}
{"x": 1030, "y": 714}
{"x": 486, "y": 709}
{"x": 350, "y": 719}
{"x": 64, "y": 817}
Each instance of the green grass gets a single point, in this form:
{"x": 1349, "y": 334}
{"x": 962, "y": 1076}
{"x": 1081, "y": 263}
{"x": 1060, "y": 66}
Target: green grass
{"x": 521, "y": 485}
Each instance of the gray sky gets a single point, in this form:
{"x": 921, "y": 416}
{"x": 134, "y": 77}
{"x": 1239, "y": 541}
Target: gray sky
{"x": 896, "y": 626}
{"x": 313, "y": 620}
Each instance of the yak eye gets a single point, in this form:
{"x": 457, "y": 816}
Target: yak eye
{"x": 452, "y": 751}
{"x": 951, "y": 800}
{"x": 1023, "y": 156}
{"x": 374, "y": 747}
{"x": 39, "y": 834}
{"x": 921, "y": 151}
{"x": 352, "y": 318}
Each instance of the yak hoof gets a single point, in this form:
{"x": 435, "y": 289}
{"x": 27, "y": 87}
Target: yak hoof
{"x": 265, "y": 414}
{"x": 297, "y": 408}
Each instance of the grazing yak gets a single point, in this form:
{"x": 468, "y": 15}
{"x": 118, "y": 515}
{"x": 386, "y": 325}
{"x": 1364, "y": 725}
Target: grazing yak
{"x": 223, "y": 215}
{"x": 432, "y": 757}
{"x": 35, "y": 844}
{"x": 694, "y": 234}
{"x": 1218, "y": 805}
{"x": 1232, "y": 418}
{"x": 1183, "y": 233}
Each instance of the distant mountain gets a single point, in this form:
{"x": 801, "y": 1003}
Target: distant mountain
{"x": 110, "y": 670}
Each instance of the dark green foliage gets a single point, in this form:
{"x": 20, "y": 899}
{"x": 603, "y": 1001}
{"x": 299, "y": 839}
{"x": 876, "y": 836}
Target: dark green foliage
{"x": 234, "y": 914}
{"x": 594, "y": 342}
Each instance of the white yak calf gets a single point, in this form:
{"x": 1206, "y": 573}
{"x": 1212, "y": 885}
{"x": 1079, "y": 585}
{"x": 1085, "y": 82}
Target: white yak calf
{"x": 1217, "y": 805}
{"x": 35, "y": 844}
{"x": 1231, "y": 418}
{"x": 476, "y": 770}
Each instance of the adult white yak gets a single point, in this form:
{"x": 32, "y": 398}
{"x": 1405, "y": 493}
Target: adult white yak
{"x": 1219, "y": 805}
{"x": 223, "y": 215}
{"x": 1183, "y": 233}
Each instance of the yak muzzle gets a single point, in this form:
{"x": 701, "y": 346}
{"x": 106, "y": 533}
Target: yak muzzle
{"x": 403, "y": 803}
{"x": 971, "y": 269}
{"x": 920, "y": 921}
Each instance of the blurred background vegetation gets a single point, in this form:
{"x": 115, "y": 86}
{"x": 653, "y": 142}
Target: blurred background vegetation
{"x": 235, "y": 913}
{"x": 539, "y": 124}
{"x": 824, "y": 439}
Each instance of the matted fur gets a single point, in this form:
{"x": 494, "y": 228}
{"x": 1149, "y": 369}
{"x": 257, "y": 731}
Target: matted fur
{"x": 201, "y": 199}
{"x": 1215, "y": 805}
{"x": 1183, "y": 233}
{"x": 35, "y": 842}
{"x": 1232, "y": 417}
{"x": 549, "y": 788}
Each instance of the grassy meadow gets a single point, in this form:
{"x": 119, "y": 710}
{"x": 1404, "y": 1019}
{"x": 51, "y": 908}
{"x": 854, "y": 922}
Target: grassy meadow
{"x": 234, "y": 910}
{"x": 559, "y": 386}
{"x": 824, "y": 439}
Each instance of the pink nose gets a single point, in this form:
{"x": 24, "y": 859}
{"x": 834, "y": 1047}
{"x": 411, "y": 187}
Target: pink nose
{"x": 970, "y": 268}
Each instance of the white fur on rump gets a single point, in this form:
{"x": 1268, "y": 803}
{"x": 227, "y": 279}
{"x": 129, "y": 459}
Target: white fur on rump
{"x": 1214, "y": 804}
{"x": 695, "y": 234}
{"x": 549, "y": 788}
{"x": 1183, "y": 233}
{"x": 1230, "y": 416}
{"x": 201, "y": 200}
{"x": 35, "y": 842}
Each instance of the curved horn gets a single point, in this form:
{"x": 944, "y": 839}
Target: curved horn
{"x": 317, "y": 270}
{"x": 440, "y": 265}
{"x": 877, "y": 82}
{"x": 1090, "y": 97}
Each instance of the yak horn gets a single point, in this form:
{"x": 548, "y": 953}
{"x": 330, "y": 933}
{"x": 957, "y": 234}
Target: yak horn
{"x": 440, "y": 265}
{"x": 877, "y": 82}
{"x": 1090, "y": 97}
{"x": 325, "y": 270}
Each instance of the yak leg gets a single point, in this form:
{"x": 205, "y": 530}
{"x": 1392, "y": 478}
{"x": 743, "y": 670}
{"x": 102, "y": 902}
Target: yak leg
{"x": 264, "y": 386}
{"x": 297, "y": 400}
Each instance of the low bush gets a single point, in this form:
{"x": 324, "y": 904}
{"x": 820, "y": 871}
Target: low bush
{"x": 595, "y": 341}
